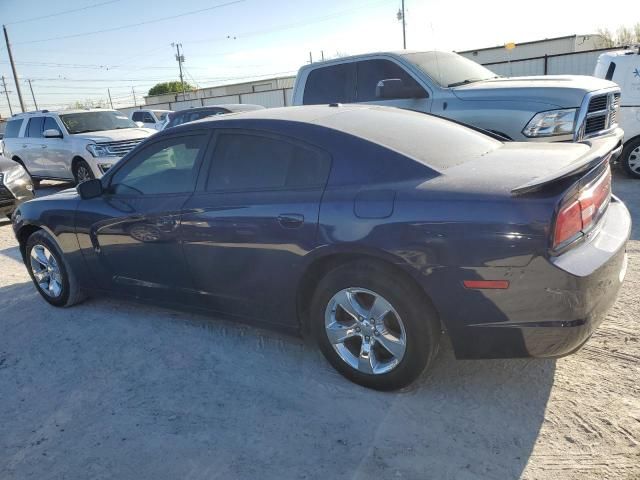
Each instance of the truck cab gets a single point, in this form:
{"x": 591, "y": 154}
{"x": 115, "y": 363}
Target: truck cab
{"x": 537, "y": 108}
{"x": 623, "y": 68}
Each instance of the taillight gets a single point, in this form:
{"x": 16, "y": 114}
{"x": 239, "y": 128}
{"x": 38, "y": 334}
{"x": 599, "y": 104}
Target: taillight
{"x": 577, "y": 215}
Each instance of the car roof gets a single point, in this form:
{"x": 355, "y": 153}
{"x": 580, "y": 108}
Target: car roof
{"x": 364, "y": 56}
{"x": 430, "y": 139}
{"x": 232, "y": 107}
{"x": 61, "y": 112}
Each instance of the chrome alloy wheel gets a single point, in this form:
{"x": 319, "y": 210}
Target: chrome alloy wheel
{"x": 365, "y": 330}
{"x": 634, "y": 160}
{"x": 46, "y": 271}
{"x": 83, "y": 174}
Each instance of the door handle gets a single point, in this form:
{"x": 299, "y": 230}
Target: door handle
{"x": 24, "y": 145}
{"x": 290, "y": 220}
{"x": 43, "y": 146}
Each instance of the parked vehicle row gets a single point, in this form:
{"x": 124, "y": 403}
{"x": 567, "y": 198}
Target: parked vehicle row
{"x": 372, "y": 228}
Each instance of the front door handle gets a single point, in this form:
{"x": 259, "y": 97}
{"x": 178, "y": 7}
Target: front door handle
{"x": 43, "y": 146}
{"x": 290, "y": 220}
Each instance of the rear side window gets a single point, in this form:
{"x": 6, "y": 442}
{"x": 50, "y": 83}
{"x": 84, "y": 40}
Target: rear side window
{"x": 13, "y": 128}
{"x": 244, "y": 161}
{"x": 334, "y": 84}
{"x": 34, "y": 127}
{"x": 370, "y": 72}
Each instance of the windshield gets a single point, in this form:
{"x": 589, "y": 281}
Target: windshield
{"x": 449, "y": 69}
{"x": 95, "y": 121}
{"x": 161, "y": 115}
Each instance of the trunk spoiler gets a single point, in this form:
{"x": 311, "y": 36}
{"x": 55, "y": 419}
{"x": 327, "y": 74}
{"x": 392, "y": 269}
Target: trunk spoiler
{"x": 607, "y": 147}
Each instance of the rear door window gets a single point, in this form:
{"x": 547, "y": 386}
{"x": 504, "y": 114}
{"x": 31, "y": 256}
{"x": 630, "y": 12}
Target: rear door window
{"x": 13, "y": 128}
{"x": 250, "y": 162}
{"x": 371, "y": 72}
{"x": 34, "y": 128}
{"x": 332, "y": 84}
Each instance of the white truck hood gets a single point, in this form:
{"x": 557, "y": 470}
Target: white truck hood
{"x": 116, "y": 135}
{"x": 560, "y": 90}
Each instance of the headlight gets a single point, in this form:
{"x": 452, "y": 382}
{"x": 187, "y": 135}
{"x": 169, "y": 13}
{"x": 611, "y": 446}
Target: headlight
{"x": 17, "y": 179}
{"x": 97, "y": 150}
{"x": 553, "y": 122}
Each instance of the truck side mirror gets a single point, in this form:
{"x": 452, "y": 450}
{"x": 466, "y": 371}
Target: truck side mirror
{"x": 394, "y": 88}
{"x": 90, "y": 189}
{"x": 52, "y": 133}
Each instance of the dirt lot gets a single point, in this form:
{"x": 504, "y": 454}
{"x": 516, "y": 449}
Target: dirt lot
{"x": 113, "y": 390}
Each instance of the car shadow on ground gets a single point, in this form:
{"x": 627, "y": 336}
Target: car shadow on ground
{"x": 130, "y": 388}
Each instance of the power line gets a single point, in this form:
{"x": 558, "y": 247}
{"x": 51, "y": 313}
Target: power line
{"x": 64, "y": 12}
{"x": 122, "y": 27}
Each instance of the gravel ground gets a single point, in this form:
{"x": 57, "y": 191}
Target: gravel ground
{"x": 119, "y": 390}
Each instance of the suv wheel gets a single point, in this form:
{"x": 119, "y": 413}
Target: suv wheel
{"x": 49, "y": 271}
{"x": 82, "y": 172}
{"x": 374, "y": 326}
{"x": 630, "y": 158}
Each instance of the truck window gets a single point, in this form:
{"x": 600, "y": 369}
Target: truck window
{"x": 333, "y": 84}
{"x": 13, "y": 128}
{"x": 137, "y": 116}
{"x": 370, "y": 72}
{"x": 610, "y": 71}
{"x": 34, "y": 127}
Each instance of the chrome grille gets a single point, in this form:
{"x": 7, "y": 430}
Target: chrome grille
{"x": 602, "y": 113}
{"x": 122, "y": 147}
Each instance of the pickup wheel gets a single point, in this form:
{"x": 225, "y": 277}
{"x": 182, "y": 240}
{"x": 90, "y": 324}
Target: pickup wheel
{"x": 82, "y": 172}
{"x": 630, "y": 158}
{"x": 373, "y": 325}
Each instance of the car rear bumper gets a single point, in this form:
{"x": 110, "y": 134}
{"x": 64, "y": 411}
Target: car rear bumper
{"x": 551, "y": 307}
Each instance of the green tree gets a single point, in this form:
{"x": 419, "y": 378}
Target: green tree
{"x": 169, "y": 87}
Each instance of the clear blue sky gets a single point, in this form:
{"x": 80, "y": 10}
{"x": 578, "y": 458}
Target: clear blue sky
{"x": 248, "y": 38}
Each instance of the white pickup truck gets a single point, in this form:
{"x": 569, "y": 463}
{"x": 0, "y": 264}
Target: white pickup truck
{"x": 623, "y": 68}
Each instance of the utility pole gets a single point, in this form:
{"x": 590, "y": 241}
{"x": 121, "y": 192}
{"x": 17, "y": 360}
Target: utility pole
{"x": 6, "y": 92}
{"x": 404, "y": 31}
{"x": 180, "y": 59}
{"x": 134, "y": 96}
{"x": 110, "y": 101}
{"x": 32, "y": 95}
{"x": 310, "y": 57}
{"x": 13, "y": 66}
{"x": 322, "y": 54}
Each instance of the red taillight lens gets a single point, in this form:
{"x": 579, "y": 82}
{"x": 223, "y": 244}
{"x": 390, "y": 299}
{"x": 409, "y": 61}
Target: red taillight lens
{"x": 568, "y": 223}
{"x": 578, "y": 215}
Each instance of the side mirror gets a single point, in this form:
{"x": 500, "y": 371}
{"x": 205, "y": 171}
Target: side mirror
{"x": 394, "y": 88}
{"x": 139, "y": 124}
{"x": 52, "y": 133}
{"x": 90, "y": 189}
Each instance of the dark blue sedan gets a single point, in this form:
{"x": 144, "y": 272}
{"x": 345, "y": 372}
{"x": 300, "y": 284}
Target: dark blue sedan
{"x": 375, "y": 230}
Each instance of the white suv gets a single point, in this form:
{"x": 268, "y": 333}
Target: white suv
{"x": 151, "y": 118}
{"x": 71, "y": 144}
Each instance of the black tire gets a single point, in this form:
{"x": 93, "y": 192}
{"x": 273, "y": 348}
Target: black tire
{"x": 36, "y": 183}
{"x": 82, "y": 172}
{"x": 70, "y": 293}
{"x": 630, "y": 158}
{"x": 418, "y": 316}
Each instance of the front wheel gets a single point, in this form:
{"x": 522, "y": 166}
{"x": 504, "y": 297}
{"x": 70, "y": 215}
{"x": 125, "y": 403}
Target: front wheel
{"x": 374, "y": 326}
{"x": 49, "y": 271}
{"x": 82, "y": 172}
{"x": 630, "y": 158}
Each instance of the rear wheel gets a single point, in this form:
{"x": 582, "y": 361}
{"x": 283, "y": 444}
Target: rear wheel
{"x": 630, "y": 158}
{"x": 49, "y": 271}
{"x": 374, "y": 326}
{"x": 82, "y": 172}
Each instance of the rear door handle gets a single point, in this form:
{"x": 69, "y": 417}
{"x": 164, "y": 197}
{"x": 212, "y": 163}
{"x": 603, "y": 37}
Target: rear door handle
{"x": 290, "y": 220}
{"x": 43, "y": 146}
